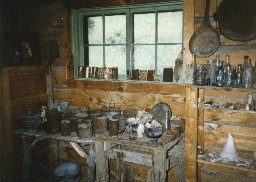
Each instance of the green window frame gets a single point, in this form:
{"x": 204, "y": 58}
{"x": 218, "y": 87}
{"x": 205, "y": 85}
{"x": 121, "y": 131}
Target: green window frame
{"x": 129, "y": 11}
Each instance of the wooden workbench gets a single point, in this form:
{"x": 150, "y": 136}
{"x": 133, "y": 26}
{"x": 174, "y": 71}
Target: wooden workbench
{"x": 126, "y": 147}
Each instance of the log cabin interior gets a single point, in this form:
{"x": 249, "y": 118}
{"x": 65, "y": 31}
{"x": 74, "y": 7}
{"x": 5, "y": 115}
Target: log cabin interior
{"x": 47, "y": 48}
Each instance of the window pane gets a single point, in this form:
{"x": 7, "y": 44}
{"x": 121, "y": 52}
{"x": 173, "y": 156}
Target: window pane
{"x": 144, "y": 28}
{"x": 170, "y": 27}
{"x": 166, "y": 56}
{"x": 115, "y": 29}
{"x": 116, "y": 57}
{"x": 144, "y": 56}
{"x": 96, "y": 56}
{"x": 95, "y": 30}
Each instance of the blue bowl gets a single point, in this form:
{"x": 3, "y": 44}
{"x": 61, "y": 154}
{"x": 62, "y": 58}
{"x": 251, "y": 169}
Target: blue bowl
{"x": 154, "y": 132}
{"x": 134, "y": 127}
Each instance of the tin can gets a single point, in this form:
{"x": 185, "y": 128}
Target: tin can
{"x": 81, "y": 72}
{"x": 113, "y": 127}
{"x": 87, "y": 72}
{"x": 135, "y": 74}
{"x": 151, "y": 75}
{"x": 93, "y": 72}
{"x": 84, "y": 130}
{"x": 100, "y": 73}
{"x": 115, "y": 73}
{"x": 143, "y": 75}
{"x": 101, "y": 125}
{"x": 107, "y": 73}
{"x": 65, "y": 128}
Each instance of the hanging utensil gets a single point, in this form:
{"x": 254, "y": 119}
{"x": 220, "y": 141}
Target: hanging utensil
{"x": 206, "y": 40}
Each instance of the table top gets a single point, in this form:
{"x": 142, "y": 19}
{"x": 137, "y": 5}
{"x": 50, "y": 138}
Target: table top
{"x": 129, "y": 139}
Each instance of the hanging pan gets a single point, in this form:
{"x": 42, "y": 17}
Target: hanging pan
{"x": 206, "y": 40}
{"x": 237, "y": 19}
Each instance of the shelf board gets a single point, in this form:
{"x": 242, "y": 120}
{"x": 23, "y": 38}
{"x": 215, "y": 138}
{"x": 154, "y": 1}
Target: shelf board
{"x": 226, "y": 167}
{"x": 227, "y": 88}
{"x": 227, "y": 111}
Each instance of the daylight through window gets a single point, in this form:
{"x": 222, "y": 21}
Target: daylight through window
{"x": 125, "y": 39}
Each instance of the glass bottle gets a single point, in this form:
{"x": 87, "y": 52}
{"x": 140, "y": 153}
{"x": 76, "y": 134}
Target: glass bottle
{"x": 254, "y": 76}
{"x": 220, "y": 75}
{"x": 247, "y": 73}
{"x": 234, "y": 78}
{"x": 190, "y": 71}
{"x": 211, "y": 70}
{"x": 227, "y": 72}
{"x": 239, "y": 75}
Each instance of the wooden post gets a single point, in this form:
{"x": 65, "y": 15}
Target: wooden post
{"x": 102, "y": 170}
{"x": 159, "y": 166}
{"x": 191, "y": 134}
{"x": 91, "y": 163}
{"x": 26, "y": 159}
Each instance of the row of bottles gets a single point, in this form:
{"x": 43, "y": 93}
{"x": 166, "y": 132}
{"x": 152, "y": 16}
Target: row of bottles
{"x": 220, "y": 73}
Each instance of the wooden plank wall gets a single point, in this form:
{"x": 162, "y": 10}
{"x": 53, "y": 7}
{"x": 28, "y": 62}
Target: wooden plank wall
{"x": 53, "y": 21}
{"x": 21, "y": 87}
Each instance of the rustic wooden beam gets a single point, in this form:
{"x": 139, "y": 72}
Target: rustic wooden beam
{"x": 102, "y": 168}
{"x": 129, "y": 156}
{"x": 191, "y": 134}
{"x": 159, "y": 166}
{"x": 79, "y": 149}
{"x": 26, "y": 158}
{"x": 91, "y": 163}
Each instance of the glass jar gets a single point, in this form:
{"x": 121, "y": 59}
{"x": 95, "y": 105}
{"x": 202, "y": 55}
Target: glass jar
{"x": 234, "y": 78}
{"x": 247, "y": 73}
{"x": 201, "y": 76}
{"x": 190, "y": 71}
{"x": 211, "y": 70}
{"x": 227, "y": 76}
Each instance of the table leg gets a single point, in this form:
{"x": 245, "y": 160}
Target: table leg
{"x": 102, "y": 171}
{"x": 159, "y": 166}
{"x": 26, "y": 158}
{"x": 91, "y": 163}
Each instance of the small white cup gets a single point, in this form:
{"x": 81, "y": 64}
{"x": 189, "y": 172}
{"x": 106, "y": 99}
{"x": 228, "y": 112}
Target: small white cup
{"x": 140, "y": 130}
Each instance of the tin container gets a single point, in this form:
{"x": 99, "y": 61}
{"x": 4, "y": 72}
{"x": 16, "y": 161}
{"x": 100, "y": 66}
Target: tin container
{"x": 143, "y": 75}
{"x": 87, "y": 72}
{"x": 100, "y": 73}
{"x": 113, "y": 127}
{"x": 151, "y": 75}
{"x": 81, "y": 72}
{"x": 101, "y": 125}
{"x": 65, "y": 128}
{"x": 93, "y": 116}
{"x": 93, "y": 72}
{"x": 107, "y": 73}
{"x": 168, "y": 75}
{"x": 135, "y": 74}
{"x": 115, "y": 73}
{"x": 84, "y": 130}
{"x": 122, "y": 121}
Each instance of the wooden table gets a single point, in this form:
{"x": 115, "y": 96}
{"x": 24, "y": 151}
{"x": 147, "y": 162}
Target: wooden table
{"x": 30, "y": 138}
{"x": 106, "y": 149}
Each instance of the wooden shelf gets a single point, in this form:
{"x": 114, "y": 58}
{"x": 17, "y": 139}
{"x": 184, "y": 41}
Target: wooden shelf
{"x": 226, "y": 167}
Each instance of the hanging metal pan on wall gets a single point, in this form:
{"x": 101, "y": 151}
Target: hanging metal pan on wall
{"x": 206, "y": 40}
{"x": 237, "y": 19}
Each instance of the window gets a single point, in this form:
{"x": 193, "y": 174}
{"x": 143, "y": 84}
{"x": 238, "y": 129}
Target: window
{"x": 144, "y": 37}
